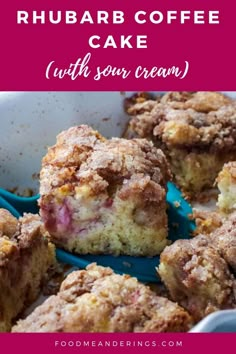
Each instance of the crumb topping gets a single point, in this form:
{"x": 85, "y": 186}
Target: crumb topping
{"x": 197, "y": 276}
{"x": 183, "y": 119}
{"x": 16, "y": 235}
{"x": 228, "y": 169}
{"x": 98, "y": 300}
{"x": 81, "y": 155}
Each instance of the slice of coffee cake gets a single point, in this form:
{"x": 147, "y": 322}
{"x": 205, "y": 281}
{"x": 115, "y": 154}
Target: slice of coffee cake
{"x": 25, "y": 257}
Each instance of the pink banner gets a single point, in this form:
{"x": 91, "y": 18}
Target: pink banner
{"x": 118, "y": 343}
{"x": 117, "y": 45}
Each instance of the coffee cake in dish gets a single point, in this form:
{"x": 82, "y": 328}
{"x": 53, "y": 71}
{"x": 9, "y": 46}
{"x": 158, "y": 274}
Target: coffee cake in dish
{"x": 206, "y": 221}
{"x": 200, "y": 273}
{"x": 226, "y": 182}
{"x": 196, "y": 130}
{"x": 25, "y": 258}
{"x": 98, "y": 300}
{"x": 224, "y": 239}
{"x": 102, "y": 196}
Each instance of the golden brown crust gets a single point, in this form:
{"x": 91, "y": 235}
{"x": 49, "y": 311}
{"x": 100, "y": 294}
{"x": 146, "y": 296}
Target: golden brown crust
{"x": 18, "y": 235}
{"x": 224, "y": 239}
{"x": 8, "y": 223}
{"x": 73, "y": 146}
{"x": 229, "y": 168}
{"x": 200, "y": 273}
{"x": 201, "y": 120}
{"x": 97, "y": 300}
{"x": 201, "y": 101}
{"x": 82, "y": 154}
{"x": 206, "y": 221}
{"x": 137, "y": 100}
{"x": 197, "y": 277}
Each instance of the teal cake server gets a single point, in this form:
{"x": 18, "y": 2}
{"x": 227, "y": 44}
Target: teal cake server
{"x": 18, "y": 205}
{"x": 144, "y": 268}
